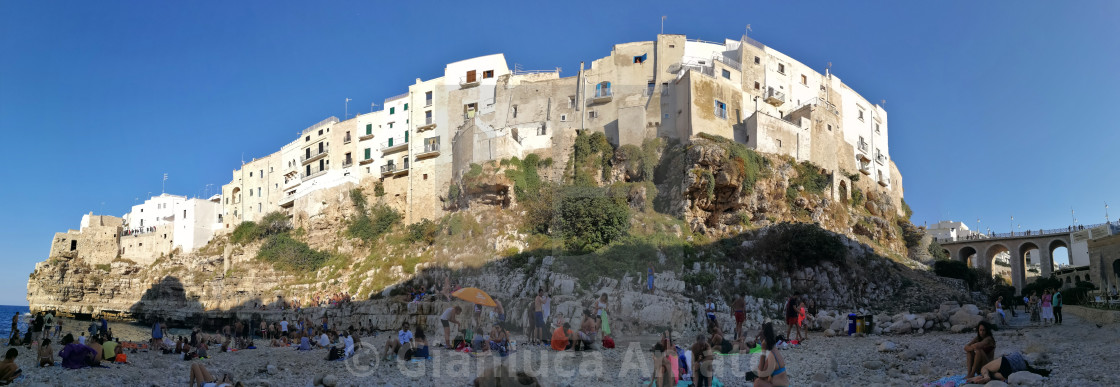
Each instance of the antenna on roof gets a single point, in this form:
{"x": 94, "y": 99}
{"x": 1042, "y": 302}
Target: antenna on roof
{"x": 163, "y": 187}
{"x": 371, "y": 106}
{"x": 748, "y": 30}
{"x": 663, "y": 24}
{"x": 346, "y": 112}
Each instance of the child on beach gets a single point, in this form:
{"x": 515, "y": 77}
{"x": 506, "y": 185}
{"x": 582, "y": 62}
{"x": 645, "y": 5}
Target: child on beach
{"x": 9, "y": 370}
{"x": 46, "y": 353}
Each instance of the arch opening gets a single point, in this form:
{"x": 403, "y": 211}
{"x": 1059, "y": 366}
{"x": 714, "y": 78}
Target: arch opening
{"x": 967, "y": 255}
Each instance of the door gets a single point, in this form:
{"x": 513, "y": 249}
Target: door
{"x": 470, "y": 76}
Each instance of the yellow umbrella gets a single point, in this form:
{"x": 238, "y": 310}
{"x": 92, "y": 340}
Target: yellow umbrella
{"x": 475, "y": 295}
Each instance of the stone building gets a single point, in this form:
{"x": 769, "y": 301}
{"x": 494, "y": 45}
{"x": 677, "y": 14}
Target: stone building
{"x": 479, "y": 109}
{"x": 1104, "y": 260}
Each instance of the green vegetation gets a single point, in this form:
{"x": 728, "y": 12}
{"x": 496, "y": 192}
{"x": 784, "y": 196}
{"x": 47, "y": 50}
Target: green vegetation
{"x": 906, "y": 210}
{"x": 960, "y": 270}
{"x": 271, "y": 224}
{"x": 379, "y": 189}
{"x": 937, "y": 251}
{"x": 639, "y": 162}
{"x": 589, "y": 218}
{"x": 526, "y": 181}
{"x": 709, "y": 181}
{"x": 462, "y": 224}
{"x": 810, "y": 177}
{"x": 424, "y": 231}
{"x": 591, "y": 153}
{"x": 911, "y": 235}
{"x": 748, "y": 164}
{"x": 105, "y": 267}
{"x": 453, "y": 193}
{"x": 857, "y": 197}
{"x": 801, "y": 244}
{"x": 701, "y": 279}
{"x": 246, "y": 232}
{"x": 372, "y": 224}
{"x": 287, "y": 253}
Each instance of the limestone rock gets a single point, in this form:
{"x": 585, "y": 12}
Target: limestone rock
{"x": 872, "y": 364}
{"x": 829, "y": 332}
{"x": 1024, "y": 378}
{"x": 995, "y": 383}
{"x": 330, "y": 381}
{"x": 888, "y": 346}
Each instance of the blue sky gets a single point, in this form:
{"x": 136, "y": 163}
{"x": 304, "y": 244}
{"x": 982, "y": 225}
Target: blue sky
{"x": 996, "y": 108}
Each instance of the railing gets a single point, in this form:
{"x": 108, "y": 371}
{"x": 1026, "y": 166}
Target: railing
{"x": 464, "y": 83}
{"x": 346, "y": 140}
{"x": 753, "y": 42}
{"x": 880, "y": 158}
{"x": 1030, "y": 233}
{"x": 316, "y": 154}
{"x": 329, "y": 120}
{"x": 347, "y": 163}
{"x": 728, "y": 61}
{"x": 600, "y": 93}
{"x": 429, "y": 121}
{"x": 393, "y": 143}
{"x": 816, "y": 101}
{"x": 862, "y": 147}
{"x": 313, "y": 175}
{"x": 427, "y": 102}
{"x": 431, "y": 146}
{"x": 388, "y": 168}
{"x": 396, "y": 97}
{"x": 703, "y": 41}
{"x": 517, "y": 71}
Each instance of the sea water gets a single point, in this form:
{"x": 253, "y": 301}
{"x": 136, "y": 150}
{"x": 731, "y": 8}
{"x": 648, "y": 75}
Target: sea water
{"x": 121, "y": 330}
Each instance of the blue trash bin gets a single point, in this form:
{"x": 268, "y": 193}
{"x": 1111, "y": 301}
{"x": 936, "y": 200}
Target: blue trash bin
{"x": 851, "y": 324}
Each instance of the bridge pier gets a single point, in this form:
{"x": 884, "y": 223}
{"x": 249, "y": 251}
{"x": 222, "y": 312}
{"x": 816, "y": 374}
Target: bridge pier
{"x": 1046, "y": 265}
{"x": 1018, "y": 269}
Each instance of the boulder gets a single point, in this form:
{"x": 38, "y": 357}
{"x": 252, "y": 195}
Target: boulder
{"x": 271, "y": 369}
{"x": 829, "y": 333}
{"x": 1024, "y": 378}
{"x": 901, "y": 327}
{"x": 960, "y": 328}
{"x": 330, "y": 381}
{"x": 888, "y": 346}
{"x": 872, "y": 364}
{"x": 910, "y": 354}
{"x": 839, "y": 325}
{"x": 995, "y": 383}
{"x": 971, "y": 309}
{"x": 965, "y": 317}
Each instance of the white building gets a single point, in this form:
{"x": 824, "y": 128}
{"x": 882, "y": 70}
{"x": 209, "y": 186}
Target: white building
{"x": 952, "y": 230}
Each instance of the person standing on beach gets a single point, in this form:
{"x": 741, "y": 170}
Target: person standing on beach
{"x": 547, "y": 309}
{"x": 739, "y": 308}
{"x": 1057, "y": 300}
{"x": 15, "y": 322}
{"x": 1047, "y": 308}
{"x": 284, "y": 327}
{"x": 791, "y": 316}
{"x": 538, "y": 316}
{"x": 649, "y": 279}
{"x": 446, "y": 319}
{"x": 157, "y": 334}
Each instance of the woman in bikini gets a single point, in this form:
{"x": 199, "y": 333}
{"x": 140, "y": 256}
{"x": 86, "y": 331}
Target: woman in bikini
{"x": 772, "y": 366}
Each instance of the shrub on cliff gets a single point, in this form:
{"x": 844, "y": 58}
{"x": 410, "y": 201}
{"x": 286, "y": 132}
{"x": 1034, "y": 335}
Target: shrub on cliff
{"x": 958, "y": 270}
{"x": 423, "y": 231}
{"x": 287, "y": 253}
{"x": 372, "y": 224}
{"x": 246, "y": 232}
{"x": 590, "y": 218}
{"x": 797, "y": 245}
{"x": 275, "y": 222}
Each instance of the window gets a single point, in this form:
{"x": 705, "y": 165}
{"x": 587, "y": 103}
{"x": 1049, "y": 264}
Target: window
{"x": 649, "y": 87}
{"x": 307, "y": 139}
{"x": 184, "y": 213}
{"x": 829, "y": 127}
{"x": 250, "y": 175}
{"x": 427, "y": 117}
{"x": 563, "y": 117}
{"x": 757, "y": 86}
{"x": 876, "y": 127}
{"x": 779, "y": 143}
{"x": 592, "y": 114}
{"x": 726, "y": 74}
{"x": 781, "y": 68}
{"x": 269, "y": 169}
{"x": 258, "y": 191}
{"x": 250, "y": 193}
{"x": 757, "y": 60}
{"x": 425, "y": 176}
{"x": 260, "y": 207}
{"x": 262, "y": 174}
{"x": 487, "y": 74}
{"x": 571, "y": 101}
{"x": 804, "y": 80}
{"x": 427, "y": 98}
{"x": 405, "y": 107}
{"x": 369, "y": 129}
{"x": 664, "y": 88}
{"x": 640, "y": 59}
{"x": 392, "y": 110}
{"x": 73, "y": 245}
{"x": 860, "y": 114}
{"x": 390, "y": 125}
{"x": 721, "y": 109}
{"x": 367, "y": 153}
{"x": 603, "y": 89}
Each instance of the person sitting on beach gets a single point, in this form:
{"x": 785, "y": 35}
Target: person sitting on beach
{"x": 445, "y": 319}
{"x": 324, "y": 341}
{"x": 46, "y": 353}
{"x": 348, "y": 344}
{"x": 502, "y": 376}
{"x": 304, "y": 344}
{"x": 95, "y": 344}
{"x": 82, "y": 338}
{"x": 665, "y": 362}
{"x": 201, "y": 377}
{"x": 420, "y": 345}
{"x": 120, "y": 358}
{"x": 499, "y": 339}
{"x": 397, "y": 346}
{"x": 202, "y": 349}
{"x": 702, "y": 358}
{"x": 109, "y": 349}
{"x": 981, "y": 349}
{"x": 772, "y": 365}
{"x": 562, "y": 338}
{"x": 74, "y": 355}
{"x": 9, "y": 370}
{"x": 586, "y": 332}
{"x": 1000, "y": 369}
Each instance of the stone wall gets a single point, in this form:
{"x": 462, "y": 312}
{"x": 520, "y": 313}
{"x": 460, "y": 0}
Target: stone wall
{"x": 145, "y": 248}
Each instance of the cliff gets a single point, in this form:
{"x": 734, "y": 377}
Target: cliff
{"x": 711, "y": 218}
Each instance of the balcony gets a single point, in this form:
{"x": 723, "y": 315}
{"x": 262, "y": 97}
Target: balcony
{"x": 775, "y": 97}
{"x": 879, "y": 158}
{"x": 394, "y": 169}
{"x": 431, "y": 148}
{"x": 307, "y": 158}
{"x": 427, "y": 102}
{"x": 429, "y": 123}
{"x": 395, "y": 144}
{"x": 365, "y": 137}
{"x": 465, "y": 82}
{"x": 884, "y": 181}
{"x": 347, "y": 163}
{"x": 288, "y": 200}
{"x": 346, "y": 140}
{"x": 862, "y": 146}
{"x": 306, "y": 177}
{"x": 366, "y": 161}
{"x": 602, "y": 96}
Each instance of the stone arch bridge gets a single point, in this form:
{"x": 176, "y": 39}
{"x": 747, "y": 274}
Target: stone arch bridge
{"x": 980, "y": 252}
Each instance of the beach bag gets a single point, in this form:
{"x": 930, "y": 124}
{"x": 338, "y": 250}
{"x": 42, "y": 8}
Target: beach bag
{"x": 608, "y": 342}
{"x": 334, "y": 354}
